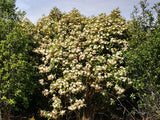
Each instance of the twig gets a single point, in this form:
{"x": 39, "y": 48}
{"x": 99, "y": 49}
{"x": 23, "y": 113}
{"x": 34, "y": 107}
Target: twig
{"x": 122, "y": 105}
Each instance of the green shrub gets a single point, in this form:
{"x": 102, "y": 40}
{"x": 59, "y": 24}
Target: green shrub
{"x": 142, "y": 58}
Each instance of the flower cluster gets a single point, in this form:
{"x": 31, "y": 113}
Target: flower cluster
{"x": 78, "y": 104}
{"x": 81, "y": 54}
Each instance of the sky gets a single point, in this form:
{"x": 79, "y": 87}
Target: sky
{"x": 35, "y": 9}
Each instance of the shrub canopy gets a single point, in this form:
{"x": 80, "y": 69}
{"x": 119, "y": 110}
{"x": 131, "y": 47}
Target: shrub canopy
{"x": 82, "y": 60}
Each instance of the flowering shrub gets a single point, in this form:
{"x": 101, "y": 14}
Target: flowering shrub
{"x": 82, "y": 58}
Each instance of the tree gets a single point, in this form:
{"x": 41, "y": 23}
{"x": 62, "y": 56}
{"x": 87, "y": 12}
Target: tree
{"x": 8, "y": 9}
{"x": 142, "y": 58}
{"x": 82, "y": 62}
{"x": 17, "y": 70}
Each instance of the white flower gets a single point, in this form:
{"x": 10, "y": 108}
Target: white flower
{"x": 95, "y": 47}
{"x": 45, "y": 92}
{"x": 41, "y": 81}
{"x": 112, "y": 61}
{"x": 75, "y": 61}
{"x": 50, "y": 77}
{"x": 94, "y": 52}
{"x": 71, "y": 56}
{"x": 62, "y": 112}
{"x": 119, "y": 89}
{"x": 99, "y": 68}
{"x": 109, "y": 84}
{"x": 82, "y": 57}
{"x": 78, "y": 50}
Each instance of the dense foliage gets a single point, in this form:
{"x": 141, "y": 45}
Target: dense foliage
{"x": 17, "y": 70}
{"x": 142, "y": 58}
{"x": 83, "y": 61}
{"x": 88, "y": 66}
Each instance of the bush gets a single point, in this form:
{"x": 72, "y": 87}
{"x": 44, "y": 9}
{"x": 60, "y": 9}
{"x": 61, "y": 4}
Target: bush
{"x": 83, "y": 64}
{"x": 142, "y": 59}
